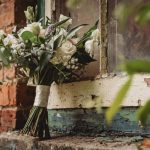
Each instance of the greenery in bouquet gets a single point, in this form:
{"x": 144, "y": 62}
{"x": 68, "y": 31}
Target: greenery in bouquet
{"x": 47, "y": 53}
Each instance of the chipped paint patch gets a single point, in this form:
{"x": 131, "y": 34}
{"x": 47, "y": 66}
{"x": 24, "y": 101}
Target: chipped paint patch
{"x": 90, "y": 122}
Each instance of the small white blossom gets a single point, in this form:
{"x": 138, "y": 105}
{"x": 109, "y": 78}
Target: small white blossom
{"x": 10, "y": 58}
{"x": 65, "y": 63}
{"x": 42, "y": 46}
{"x": 10, "y": 40}
{"x": 68, "y": 67}
{"x": 73, "y": 66}
{"x": 76, "y": 67}
{"x": 76, "y": 59}
{"x": 2, "y": 49}
{"x": 14, "y": 51}
{"x": 72, "y": 60}
{"x": 22, "y": 54}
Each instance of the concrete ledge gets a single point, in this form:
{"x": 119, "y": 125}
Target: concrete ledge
{"x": 12, "y": 141}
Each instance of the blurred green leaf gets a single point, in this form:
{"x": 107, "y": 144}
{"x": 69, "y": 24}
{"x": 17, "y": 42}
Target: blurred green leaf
{"x": 143, "y": 15}
{"x": 137, "y": 66}
{"x": 114, "y": 108}
{"x": 143, "y": 113}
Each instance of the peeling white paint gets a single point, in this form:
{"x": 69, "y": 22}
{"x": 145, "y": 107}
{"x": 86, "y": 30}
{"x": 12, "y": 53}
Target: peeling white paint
{"x": 87, "y": 94}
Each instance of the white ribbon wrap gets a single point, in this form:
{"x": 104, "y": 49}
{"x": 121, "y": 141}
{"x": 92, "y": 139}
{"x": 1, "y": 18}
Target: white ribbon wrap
{"x": 42, "y": 94}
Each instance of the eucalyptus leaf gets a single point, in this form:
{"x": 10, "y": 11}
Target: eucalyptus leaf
{"x": 87, "y": 35}
{"x": 27, "y": 35}
{"x": 115, "y": 106}
{"x": 144, "y": 112}
{"x": 73, "y": 31}
{"x": 44, "y": 60}
{"x": 60, "y": 23}
{"x": 57, "y": 42}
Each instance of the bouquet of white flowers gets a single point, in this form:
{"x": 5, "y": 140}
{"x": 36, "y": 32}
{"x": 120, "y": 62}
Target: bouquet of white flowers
{"x": 46, "y": 54}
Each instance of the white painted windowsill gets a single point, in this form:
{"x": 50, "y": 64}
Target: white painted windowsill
{"x": 87, "y": 94}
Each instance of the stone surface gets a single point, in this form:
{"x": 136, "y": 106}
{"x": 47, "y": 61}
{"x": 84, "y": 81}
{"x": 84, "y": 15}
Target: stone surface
{"x": 11, "y": 141}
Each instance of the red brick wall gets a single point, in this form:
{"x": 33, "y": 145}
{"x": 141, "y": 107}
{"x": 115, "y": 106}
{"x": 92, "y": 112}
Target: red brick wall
{"x": 16, "y": 98}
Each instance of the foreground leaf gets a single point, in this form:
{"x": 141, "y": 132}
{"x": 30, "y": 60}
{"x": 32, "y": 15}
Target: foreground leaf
{"x": 114, "y": 108}
{"x": 144, "y": 112}
{"x": 137, "y": 66}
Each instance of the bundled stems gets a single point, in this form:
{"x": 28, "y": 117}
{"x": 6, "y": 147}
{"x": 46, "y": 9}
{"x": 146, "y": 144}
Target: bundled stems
{"x": 37, "y": 123}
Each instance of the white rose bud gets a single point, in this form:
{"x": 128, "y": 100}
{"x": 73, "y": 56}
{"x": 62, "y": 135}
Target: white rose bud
{"x": 29, "y": 13}
{"x": 89, "y": 47}
{"x": 67, "y": 23}
{"x": 35, "y": 28}
{"x": 96, "y": 35}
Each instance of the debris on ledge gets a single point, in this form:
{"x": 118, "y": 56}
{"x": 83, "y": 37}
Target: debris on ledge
{"x": 14, "y": 141}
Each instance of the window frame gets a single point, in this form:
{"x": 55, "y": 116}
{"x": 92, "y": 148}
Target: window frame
{"x": 47, "y": 8}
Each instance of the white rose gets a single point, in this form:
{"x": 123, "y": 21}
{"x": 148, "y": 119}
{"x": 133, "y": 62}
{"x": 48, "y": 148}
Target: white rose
{"x": 34, "y": 27}
{"x": 95, "y": 35}
{"x": 29, "y": 13}
{"x": 10, "y": 40}
{"x": 67, "y": 48}
{"x": 64, "y": 53}
{"x": 91, "y": 46}
{"x": 67, "y": 23}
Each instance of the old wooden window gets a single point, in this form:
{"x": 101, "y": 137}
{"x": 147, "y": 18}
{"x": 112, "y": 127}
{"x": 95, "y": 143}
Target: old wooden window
{"x": 86, "y": 13}
{"x": 131, "y": 43}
